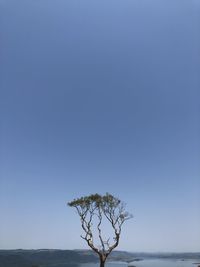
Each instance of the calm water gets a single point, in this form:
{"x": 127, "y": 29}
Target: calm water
{"x": 149, "y": 263}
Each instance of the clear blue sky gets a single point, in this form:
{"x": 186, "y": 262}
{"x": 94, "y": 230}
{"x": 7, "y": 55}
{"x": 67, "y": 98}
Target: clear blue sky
{"x": 100, "y": 96}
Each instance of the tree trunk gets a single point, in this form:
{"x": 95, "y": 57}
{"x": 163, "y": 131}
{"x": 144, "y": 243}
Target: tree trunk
{"x": 102, "y": 263}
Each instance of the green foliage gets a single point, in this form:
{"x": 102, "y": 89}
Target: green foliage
{"x": 106, "y": 201}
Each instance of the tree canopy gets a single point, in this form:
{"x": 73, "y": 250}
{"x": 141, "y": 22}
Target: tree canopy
{"x": 97, "y": 207}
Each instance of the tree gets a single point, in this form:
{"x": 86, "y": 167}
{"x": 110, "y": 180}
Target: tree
{"x": 96, "y": 209}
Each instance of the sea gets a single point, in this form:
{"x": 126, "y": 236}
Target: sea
{"x": 149, "y": 263}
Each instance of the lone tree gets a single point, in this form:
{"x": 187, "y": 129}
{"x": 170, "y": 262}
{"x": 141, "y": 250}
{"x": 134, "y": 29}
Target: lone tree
{"x": 96, "y": 210}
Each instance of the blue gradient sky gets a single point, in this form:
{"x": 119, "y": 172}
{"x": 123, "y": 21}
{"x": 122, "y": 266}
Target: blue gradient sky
{"x": 100, "y": 96}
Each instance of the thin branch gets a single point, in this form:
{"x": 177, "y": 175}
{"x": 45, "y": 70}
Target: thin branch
{"x": 99, "y": 229}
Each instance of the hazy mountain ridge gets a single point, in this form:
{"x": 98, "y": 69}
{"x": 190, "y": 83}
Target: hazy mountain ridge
{"x": 44, "y": 258}
{"x": 71, "y": 258}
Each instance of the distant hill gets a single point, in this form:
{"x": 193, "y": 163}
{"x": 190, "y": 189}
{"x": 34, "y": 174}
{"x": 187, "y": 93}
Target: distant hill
{"x": 44, "y": 258}
{"x": 72, "y": 258}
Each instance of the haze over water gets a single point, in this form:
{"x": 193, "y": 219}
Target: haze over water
{"x": 149, "y": 263}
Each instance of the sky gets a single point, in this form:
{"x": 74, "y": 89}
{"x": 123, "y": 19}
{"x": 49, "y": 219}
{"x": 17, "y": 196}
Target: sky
{"x": 100, "y": 96}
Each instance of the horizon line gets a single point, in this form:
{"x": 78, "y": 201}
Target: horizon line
{"x": 146, "y": 252}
